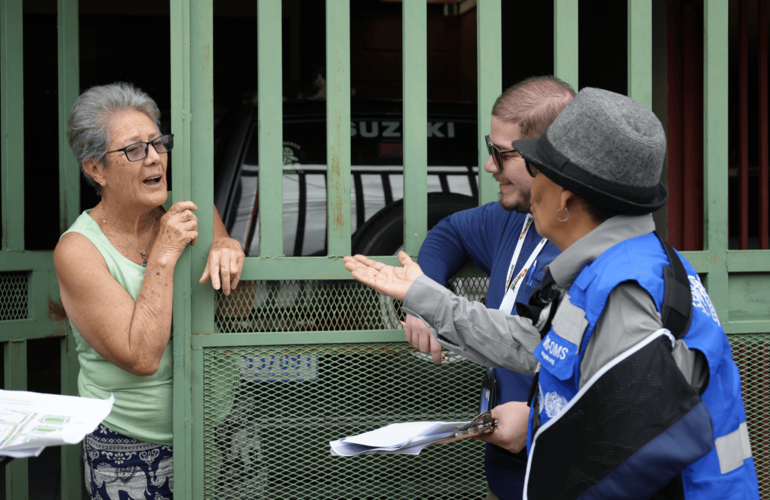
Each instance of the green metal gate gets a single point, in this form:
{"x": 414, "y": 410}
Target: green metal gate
{"x": 254, "y": 410}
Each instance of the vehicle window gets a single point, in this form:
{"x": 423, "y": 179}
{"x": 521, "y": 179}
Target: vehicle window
{"x": 223, "y": 133}
{"x": 376, "y": 168}
{"x": 374, "y": 141}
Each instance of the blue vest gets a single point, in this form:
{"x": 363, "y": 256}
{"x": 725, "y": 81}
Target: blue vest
{"x": 642, "y": 260}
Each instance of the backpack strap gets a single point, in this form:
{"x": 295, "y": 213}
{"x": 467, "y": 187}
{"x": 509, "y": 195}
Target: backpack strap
{"x": 676, "y": 311}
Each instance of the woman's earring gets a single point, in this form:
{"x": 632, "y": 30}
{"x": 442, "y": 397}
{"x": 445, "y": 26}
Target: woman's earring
{"x": 566, "y": 218}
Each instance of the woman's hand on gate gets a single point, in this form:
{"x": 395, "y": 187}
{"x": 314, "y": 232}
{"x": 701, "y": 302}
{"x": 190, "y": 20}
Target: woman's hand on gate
{"x": 388, "y": 280}
{"x": 225, "y": 260}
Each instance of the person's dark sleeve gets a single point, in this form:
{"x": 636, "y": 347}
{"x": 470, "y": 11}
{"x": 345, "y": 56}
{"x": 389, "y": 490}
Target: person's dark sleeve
{"x": 467, "y": 235}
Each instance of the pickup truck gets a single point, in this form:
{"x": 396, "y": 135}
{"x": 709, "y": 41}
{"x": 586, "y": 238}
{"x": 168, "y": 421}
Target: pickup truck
{"x": 376, "y": 169}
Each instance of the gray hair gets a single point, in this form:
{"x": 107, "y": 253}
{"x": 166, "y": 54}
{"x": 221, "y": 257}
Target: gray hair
{"x": 90, "y": 124}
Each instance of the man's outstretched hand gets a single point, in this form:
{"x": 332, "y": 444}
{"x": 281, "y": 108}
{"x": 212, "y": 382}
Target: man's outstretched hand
{"x": 388, "y": 280}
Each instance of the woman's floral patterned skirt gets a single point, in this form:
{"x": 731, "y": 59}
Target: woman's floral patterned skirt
{"x": 115, "y": 463}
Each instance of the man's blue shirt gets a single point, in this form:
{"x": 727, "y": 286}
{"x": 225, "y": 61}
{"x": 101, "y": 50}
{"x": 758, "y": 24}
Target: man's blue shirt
{"x": 487, "y": 236}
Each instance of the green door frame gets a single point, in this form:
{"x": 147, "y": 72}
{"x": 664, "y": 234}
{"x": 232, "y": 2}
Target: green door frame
{"x": 726, "y": 271}
{"x": 36, "y": 268}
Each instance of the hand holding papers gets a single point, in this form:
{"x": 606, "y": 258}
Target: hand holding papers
{"x": 409, "y": 438}
{"x": 30, "y": 421}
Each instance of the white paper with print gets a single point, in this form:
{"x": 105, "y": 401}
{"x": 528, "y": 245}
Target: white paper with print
{"x": 30, "y": 421}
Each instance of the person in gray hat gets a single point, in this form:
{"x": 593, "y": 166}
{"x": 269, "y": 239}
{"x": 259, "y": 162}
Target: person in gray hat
{"x": 636, "y": 394}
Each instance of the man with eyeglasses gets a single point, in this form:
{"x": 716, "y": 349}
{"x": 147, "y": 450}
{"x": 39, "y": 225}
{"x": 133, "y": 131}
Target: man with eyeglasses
{"x": 501, "y": 240}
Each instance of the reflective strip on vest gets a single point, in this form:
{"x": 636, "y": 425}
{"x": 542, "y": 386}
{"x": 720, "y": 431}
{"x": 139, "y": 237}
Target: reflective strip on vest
{"x": 733, "y": 449}
{"x": 570, "y": 322}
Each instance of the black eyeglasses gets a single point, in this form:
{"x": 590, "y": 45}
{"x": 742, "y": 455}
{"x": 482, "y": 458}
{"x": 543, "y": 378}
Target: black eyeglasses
{"x": 138, "y": 150}
{"x": 496, "y": 154}
{"x": 531, "y": 169}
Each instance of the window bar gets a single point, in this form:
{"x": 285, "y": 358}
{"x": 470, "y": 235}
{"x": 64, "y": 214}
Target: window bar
{"x": 338, "y": 126}
{"x": 15, "y": 371}
{"x": 415, "y": 113}
{"x": 565, "y": 41}
{"x": 270, "y": 119}
{"x": 715, "y": 131}
{"x": 12, "y": 123}
{"x": 490, "y": 84}
{"x": 640, "y": 51}
{"x": 68, "y": 90}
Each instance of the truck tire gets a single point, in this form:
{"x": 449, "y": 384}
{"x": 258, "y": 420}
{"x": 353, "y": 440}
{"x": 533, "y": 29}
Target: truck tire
{"x": 383, "y": 233}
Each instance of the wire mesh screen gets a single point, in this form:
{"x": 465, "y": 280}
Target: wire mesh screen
{"x": 752, "y": 355}
{"x": 270, "y": 412}
{"x": 313, "y": 305}
{"x": 14, "y": 288}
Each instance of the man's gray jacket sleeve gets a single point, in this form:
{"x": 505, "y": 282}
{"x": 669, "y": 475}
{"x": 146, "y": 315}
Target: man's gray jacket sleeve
{"x": 484, "y": 336}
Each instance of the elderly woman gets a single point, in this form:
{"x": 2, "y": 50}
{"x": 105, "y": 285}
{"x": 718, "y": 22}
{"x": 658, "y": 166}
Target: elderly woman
{"x": 636, "y": 395}
{"x": 115, "y": 267}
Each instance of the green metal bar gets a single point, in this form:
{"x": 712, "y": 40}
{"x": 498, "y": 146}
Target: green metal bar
{"x": 341, "y": 337}
{"x": 748, "y": 261}
{"x": 746, "y": 326}
{"x": 31, "y": 329}
{"x": 489, "y": 74}
{"x": 39, "y": 293}
{"x": 715, "y": 73}
{"x": 202, "y": 183}
{"x": 565, "y": 41}
{"x": 270, "y": 116}
{"x": 183, "y": 49}
{"x": 26, "y": 261}
{"x": 415, "y": 112}
{"x": 699, "y": 260}
{"x": 71, "y": 471}
{"x": 68, "y": 90}
{"x": 12, "y": 123}
{"x": 300, "y": 268}
{"x": 201, "y": 166}
{"x": 315, "y": 268}
{"x": 197, "y": 428}
{"x": 338, "y": 126}
{"x": 640, "y": 51}
{"x": 17, "y": 471}
{"x": 71, "y": 467}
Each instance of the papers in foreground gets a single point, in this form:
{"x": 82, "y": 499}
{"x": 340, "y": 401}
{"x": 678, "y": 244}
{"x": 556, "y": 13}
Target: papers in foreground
{"x": 30, "y": 421}
{"x": 407, "y": 438}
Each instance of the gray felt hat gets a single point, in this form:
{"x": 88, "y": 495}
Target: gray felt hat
{"x": 606, "y": 148}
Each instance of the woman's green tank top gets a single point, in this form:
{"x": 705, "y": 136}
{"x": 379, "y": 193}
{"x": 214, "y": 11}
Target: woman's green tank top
{"x": 142, "y": 408}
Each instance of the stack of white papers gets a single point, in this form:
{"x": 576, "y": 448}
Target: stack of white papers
{"x": 407, "y": 438}
{"x": 30, "y": 421}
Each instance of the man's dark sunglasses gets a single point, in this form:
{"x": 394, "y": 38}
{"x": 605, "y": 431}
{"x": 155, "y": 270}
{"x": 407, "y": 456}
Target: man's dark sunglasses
{"x": 138, "y": 150}
{"x": 496, "y": 154}
{"x": 531, "y": 169}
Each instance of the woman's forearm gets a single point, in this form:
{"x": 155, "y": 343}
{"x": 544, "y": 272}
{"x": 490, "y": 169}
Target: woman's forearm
{"x": 150, "y": 328}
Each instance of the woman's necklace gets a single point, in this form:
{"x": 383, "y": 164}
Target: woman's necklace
{"x": 144, "y": 259}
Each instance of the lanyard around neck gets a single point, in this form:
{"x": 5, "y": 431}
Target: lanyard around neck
{"x": 513, "y": 283}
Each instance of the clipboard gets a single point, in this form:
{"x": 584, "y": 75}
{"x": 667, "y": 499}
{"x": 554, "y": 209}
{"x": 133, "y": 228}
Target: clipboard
{"x": 409, "y": 438}
{"x": 482, "y": 424}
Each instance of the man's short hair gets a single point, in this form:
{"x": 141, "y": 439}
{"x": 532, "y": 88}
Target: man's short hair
{"x": 533, "y": 104}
